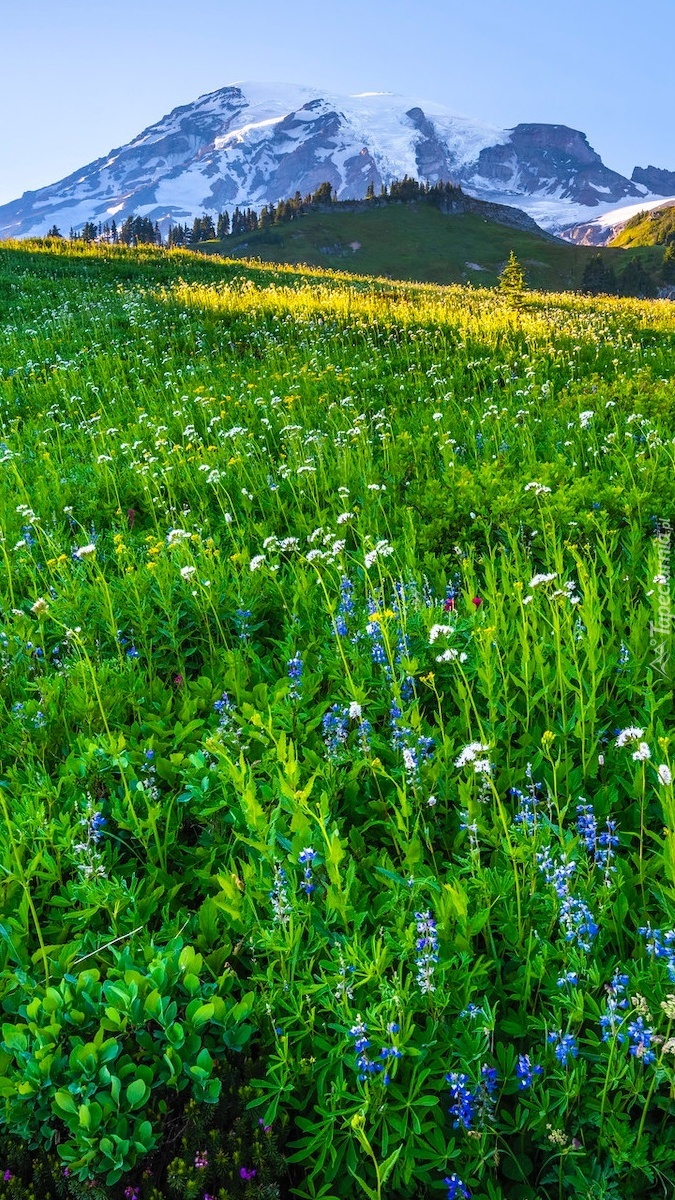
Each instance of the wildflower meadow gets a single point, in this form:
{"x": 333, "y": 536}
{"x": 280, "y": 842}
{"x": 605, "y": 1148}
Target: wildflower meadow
{"x": 336, "y": 780}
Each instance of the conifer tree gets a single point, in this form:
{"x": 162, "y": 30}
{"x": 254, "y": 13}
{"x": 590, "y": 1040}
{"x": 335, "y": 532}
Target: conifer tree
{"x": 512, "y": 280}
{"x": 668, "y": 264}
{"x": 598, "y": 279}
{"x": 635, "y": 280}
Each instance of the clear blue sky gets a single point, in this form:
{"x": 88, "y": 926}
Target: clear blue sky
{"x": 78, "y": 77}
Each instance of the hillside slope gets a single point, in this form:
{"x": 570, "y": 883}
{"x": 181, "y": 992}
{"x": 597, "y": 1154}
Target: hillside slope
{"x": 416, "y": 242}
{"x": 655, "y": 228}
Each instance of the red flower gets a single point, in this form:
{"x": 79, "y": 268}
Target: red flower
{"x": 477, "y": 601}
{"x": 449, "y": 604}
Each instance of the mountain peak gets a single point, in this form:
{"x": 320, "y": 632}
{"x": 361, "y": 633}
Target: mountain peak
{"x": 251, "y": 143}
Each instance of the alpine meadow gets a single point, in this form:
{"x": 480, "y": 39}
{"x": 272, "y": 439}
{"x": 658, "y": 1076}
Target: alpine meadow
{"x": 336, "y": 781}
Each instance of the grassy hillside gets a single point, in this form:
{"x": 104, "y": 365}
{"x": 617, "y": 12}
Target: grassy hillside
{"x": 417, "y": 242}
{"x": 654, "y": 228}
{"x": 336, "y": 704}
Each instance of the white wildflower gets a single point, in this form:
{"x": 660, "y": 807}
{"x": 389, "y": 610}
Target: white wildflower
{"x": 537, "y": 579}
{"x": 470, "y": 753}
{"x": 354, "y": 711}
{"x": 256, "y": 562}
{"x": 642, "y": 753}
{"x": 437, "y": 630}
{"x": 84, "y": 552}
{"x": 630, "y": 734}
{"x": 186, "y": 572}
{"x": 175, "y": 536}
{"x": 664, "y": 774}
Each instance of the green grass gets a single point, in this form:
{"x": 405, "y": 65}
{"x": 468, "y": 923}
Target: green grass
{"x": 325, "y": 600}
{"x": 415, "y": 242}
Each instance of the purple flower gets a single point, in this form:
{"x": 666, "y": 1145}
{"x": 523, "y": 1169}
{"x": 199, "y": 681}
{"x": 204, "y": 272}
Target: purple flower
{"x": 247, "y": 1173}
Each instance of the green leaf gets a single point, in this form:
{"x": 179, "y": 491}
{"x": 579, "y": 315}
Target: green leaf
{"x": 137, "y": 1093}
{"x": 370, "y": 1193}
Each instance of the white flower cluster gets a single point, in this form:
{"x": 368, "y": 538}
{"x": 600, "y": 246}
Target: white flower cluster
{"x": 437, "y": 630}
{"x": 470, "y": 754}
{"x": 381, "y": 550}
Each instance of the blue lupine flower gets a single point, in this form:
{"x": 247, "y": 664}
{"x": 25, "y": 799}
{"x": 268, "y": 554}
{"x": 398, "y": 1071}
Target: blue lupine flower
{"x": 640, "y": 1041}
{"x": 96, "y": 823}
{"x": 306, "y": 858}
{"x": 568, "y": 977}
{"x": 427, "y": 950}
{"x": 425, "y": 746}
{"x": 295, "y": 667}
{"x": 345, "y": 607}
{"x": 529, "y": 801}
{"x": 610, "y": 1020}
{"x": 374, "y": 631}
{"x": 456, "y": 1188}
{"x": 565, "y": 1046}
{"x": 587, "y": 826}
{"x": 555, "y": 874}
{"x": 489, "y": 1079}
{"x": 577, "y": 921}
{"x": 364, "y": 1062}
{"x": 335, "y": 723}
{"x": 600, "y": 846}
{"x": 526, "y": 1071}
{"x": 242, "y": 619}
{"x": 346, "y": 601}
{"x": 472, "y": 1011}
{"x": 463, "y": 1100}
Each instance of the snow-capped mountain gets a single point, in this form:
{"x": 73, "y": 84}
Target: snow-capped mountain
{"x": 251, "y": 144}
{"x": 604, "y": 227}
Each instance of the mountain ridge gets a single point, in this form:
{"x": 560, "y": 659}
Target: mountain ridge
{"x": 249, "y": 144}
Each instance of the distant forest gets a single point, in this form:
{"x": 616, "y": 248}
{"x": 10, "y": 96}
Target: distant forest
{"x": 138, "y": 231}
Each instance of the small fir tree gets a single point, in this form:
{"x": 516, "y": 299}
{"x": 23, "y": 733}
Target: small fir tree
{"x": 512, "y": 280}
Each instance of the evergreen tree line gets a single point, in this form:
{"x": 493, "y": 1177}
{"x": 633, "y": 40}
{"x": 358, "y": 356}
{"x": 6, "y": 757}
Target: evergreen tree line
{"x": 600, "y": 278}
{"x": 136, "y": 231}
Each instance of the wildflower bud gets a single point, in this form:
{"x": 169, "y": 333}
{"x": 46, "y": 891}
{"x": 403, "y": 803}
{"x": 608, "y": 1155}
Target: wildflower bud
{"x": 40, "y": 608}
